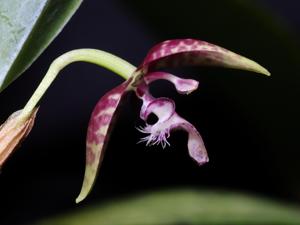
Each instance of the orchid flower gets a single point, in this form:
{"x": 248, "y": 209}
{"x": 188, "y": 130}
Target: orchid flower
{"x": 168, "y": 54}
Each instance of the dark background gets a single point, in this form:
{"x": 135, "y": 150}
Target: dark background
{"x": 250, "y": 123}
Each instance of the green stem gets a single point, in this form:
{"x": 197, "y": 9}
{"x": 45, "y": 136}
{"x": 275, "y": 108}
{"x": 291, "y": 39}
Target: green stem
{"x": 98, "y": 57}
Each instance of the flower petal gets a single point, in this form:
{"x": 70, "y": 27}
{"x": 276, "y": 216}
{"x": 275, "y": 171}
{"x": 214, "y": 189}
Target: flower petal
{"x": 169, "y": 120}
{"x": 13, "y": 132}
{"x": 162, "y": 107}
{"x": 178, "y": 52}
{"x": 98, "y": 133}
{"x": 196, "y": 146}
{"x": 183, "y": 86}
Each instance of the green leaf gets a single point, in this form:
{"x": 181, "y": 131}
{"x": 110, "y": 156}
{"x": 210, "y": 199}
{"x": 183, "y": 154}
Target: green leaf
{"x": 26, "y": 28}
{"x": 189, "y": 207}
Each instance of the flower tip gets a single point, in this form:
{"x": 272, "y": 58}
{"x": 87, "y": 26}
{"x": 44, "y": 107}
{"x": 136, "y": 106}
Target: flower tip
{"x": 79, "y": 199}
{"x": 260, "y": 69}
{"x": 265, "y": 72}
{"x": 88, "y": 182}
{"x": 202, "y": 161}
{"x": 186, "y": 86}
{"x": 12, "y": 132}
{"x": 250, "y": 65}
{"x": 199, "y": 154}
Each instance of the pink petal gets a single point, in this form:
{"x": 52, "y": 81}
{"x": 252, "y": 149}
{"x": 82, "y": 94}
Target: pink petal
{"x": 162, "y": 107}
{"x": 169, "y": 120}
{"x": 196, "y": 146}
{"x": 189, "y": 52}
{"x": 183, "y": 86}
{"x": 98, "y": 133}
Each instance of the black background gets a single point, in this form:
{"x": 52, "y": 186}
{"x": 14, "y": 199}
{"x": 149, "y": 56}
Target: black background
{"x": 250, "y": 123}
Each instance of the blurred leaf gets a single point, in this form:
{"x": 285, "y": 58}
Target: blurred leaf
{"x": 27, "y": 27}
{"x": 183, "y": 207}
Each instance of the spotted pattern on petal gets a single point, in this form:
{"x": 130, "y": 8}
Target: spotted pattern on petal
{"x": 98, "y": 133}
{"x": 191, "y": 52}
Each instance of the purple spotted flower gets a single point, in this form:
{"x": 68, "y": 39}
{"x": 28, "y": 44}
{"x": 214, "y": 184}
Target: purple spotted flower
{"x": 168, "y": 54}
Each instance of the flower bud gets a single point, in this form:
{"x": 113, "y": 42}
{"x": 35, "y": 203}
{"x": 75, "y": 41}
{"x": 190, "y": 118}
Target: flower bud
{"x": 12, "y": 132}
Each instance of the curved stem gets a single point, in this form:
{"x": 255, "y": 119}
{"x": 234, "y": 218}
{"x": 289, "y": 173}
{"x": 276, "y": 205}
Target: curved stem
{"x": 98, "y": 57}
